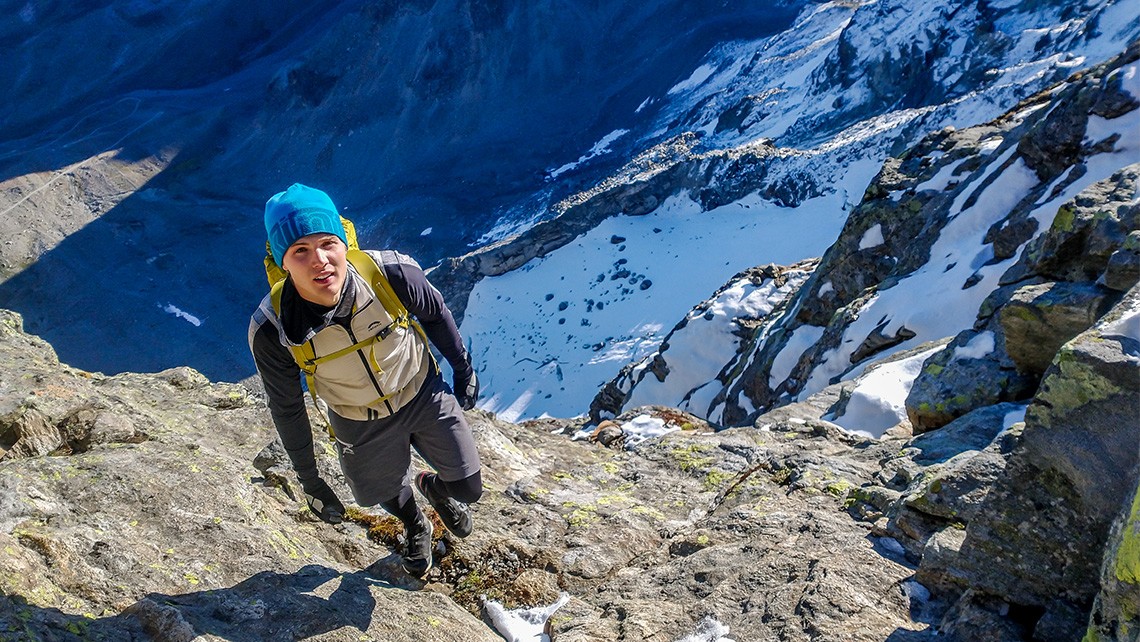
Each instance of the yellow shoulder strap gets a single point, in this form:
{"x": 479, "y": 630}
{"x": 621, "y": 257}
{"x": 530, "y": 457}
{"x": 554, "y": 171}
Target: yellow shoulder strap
{"x": 367, "y": 267}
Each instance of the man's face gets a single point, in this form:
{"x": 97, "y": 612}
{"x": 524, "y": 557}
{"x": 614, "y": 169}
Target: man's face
{"x": 318, "y": 266}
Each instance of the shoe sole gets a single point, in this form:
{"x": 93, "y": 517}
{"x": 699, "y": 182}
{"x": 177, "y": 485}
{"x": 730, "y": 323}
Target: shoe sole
{"x": 413, "y": 572}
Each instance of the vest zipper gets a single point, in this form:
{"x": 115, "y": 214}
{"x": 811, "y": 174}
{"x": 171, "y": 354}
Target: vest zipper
{"x": 367, "y": 367}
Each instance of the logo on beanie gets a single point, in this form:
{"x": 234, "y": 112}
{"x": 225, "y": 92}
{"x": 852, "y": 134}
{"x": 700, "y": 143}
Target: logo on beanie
{"x": 302, "y": 223}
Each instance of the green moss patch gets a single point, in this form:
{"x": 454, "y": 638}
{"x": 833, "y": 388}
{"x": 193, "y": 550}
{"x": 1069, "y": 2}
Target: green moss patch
{"x": 1128, "y": 555}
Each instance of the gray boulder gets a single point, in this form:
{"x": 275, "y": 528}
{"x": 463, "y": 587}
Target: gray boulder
{"x": 1123, "y": 270}
{"x": 971, "y": 373}
{"x": 1039, "y": 319}
{"x": 1039, "y": 537}
{"x": 1088, "y": 230}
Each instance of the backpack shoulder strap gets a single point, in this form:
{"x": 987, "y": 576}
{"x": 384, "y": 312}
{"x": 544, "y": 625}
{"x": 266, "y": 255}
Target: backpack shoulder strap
{"x": 370, "y": 269}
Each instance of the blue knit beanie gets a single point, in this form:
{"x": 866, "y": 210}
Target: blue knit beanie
{"x": 296, "y": 212}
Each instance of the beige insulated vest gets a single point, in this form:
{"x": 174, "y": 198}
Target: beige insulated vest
{"x": 376, "y": 379}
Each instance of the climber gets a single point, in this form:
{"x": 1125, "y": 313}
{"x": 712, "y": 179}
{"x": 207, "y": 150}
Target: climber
{"x": 357, "y": 325}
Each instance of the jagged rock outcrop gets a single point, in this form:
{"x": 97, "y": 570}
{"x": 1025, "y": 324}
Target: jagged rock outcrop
{"x": 1009, "y": 521}
{"x": 731, "y": 312}
{"x": 914, "y": 218}
{"x": 1041, "y": 534}
{"x": 1115, "y": 615}
{"x": 1044, "y": 301}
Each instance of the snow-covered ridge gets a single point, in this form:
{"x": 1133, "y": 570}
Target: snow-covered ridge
{"x": 704, "y": 346}
{"x": 789, "y": 132}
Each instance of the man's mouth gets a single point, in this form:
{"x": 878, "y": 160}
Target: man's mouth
{"x": 325, "y": 278}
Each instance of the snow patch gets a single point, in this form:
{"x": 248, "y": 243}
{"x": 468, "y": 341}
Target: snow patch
{"x": 1127, "y": 326}
{"x": 170, "y": 308}
{"x": 522, "y": 625}
{"x": 801, "y": 339}
{"x": 872, "y": 237}
{"x": 698, "y": 77}
{"x": 878, "y": 401}
{"x": 989, "y": 145}
{"x": 643, "y": 427}
{"x": 942, "y": 179}
{"x": 708, "y": 630}
{"x": 1011, "y": 418}
{"x": 1129, "y": 80}
{"x": 599, "y": 148}
{"x": 426, "y": 231}
{"x": 976, "y": 348}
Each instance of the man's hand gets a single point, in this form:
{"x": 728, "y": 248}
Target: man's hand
{"x": 322, "y": 500}
{"x": 466, "y": 389}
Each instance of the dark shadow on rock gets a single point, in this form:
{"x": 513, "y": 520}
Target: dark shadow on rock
{"x": 267, "y": 606}
{"x": 903, "y": 635}
{"x": 925, "y": 608}
{"x": 896, "y": 553}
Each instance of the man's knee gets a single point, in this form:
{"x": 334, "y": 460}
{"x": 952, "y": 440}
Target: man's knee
{"x": 467, "y": 490}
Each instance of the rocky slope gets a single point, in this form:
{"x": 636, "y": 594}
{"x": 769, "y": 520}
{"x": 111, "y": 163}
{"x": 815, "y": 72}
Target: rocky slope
{"x": 134, "y": 508}
{"x": 140, "y": 507}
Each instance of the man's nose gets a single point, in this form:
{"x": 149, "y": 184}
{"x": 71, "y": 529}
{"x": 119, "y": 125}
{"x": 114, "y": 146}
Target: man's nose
{"x": 320, "y": 257}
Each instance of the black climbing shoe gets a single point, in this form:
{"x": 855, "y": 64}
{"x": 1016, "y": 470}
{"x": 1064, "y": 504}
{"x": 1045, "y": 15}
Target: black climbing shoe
{"x": 418, "y": 546}
{"x": 453, "y": 514}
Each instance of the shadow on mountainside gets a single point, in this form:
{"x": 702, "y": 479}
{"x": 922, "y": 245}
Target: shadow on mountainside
{"x": 148, "y": 286}
{"x": 268, "y": 606}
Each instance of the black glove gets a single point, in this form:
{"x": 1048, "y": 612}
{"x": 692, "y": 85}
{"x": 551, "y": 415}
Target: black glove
{"x": 323, "y": 501}
{"x": 466, "y": 387}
